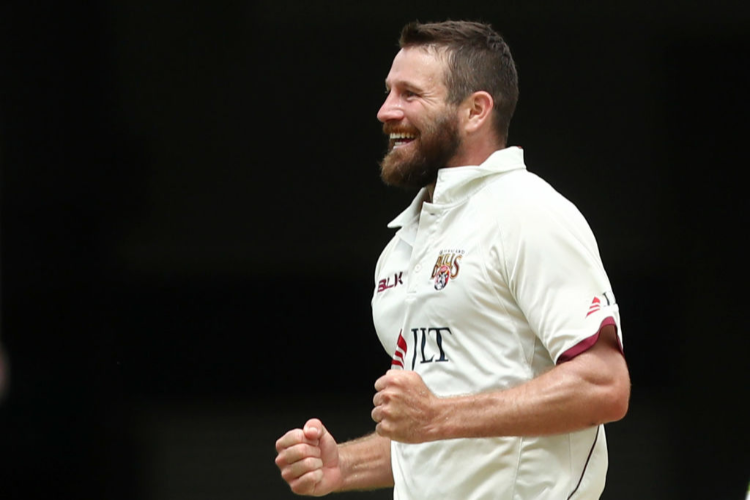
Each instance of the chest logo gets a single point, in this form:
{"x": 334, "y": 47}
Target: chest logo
{"x": 447, "y": 266}
{"x": 428, "y": 341}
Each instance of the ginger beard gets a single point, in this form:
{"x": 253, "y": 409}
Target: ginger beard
{"x": 416, "y": 163}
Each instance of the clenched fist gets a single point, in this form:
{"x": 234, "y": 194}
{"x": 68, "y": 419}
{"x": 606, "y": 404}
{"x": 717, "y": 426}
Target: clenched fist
{"x": 405, "y": 409}
{"x": 309, "y": 460}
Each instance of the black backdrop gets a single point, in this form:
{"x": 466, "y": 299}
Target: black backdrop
{"x": 191, "y": 214}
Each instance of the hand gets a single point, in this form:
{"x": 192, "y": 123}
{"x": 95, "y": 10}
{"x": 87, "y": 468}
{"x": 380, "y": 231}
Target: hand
{"x": 309, "y": 460}
{"x": 405, "y": 409}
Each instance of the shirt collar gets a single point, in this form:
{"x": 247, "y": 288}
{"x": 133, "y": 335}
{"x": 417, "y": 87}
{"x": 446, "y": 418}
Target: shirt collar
{"x": 457, "y": 183}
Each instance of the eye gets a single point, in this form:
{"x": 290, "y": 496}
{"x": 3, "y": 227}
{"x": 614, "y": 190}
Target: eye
{"x": 409, "y": 94}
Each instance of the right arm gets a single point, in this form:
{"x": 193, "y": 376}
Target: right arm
{"x": 313, "y": 463}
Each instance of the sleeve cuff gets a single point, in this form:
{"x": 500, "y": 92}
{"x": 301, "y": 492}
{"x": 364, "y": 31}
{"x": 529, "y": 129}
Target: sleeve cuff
{"x": 587, "y": 343}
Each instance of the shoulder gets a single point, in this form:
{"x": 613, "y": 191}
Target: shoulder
{"x": 521, "y": 195}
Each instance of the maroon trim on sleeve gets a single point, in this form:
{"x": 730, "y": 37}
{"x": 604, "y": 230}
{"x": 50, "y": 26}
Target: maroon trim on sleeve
{"x": 587, "y": 343}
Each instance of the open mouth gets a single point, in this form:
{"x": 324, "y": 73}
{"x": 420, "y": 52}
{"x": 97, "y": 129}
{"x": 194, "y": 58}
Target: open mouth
{"x": 401, "y": 139}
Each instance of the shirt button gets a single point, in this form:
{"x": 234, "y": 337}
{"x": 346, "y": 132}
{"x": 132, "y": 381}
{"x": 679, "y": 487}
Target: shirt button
{"x": 417, "y": 268}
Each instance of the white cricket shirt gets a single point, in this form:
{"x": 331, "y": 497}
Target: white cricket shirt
{"x": 488, "y": 286}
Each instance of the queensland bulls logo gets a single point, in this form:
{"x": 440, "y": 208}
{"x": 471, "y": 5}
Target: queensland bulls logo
{"x": 446, "y": 267}
{"x": 441, "y": 277}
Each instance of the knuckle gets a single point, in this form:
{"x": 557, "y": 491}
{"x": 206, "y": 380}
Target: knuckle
{"x": 305, "y": 484}
{"x": 375, "y": 414}
{"x": 289, "y": 439}
{"x": 281, "y": 443}
{"x": 287, "y": 474}
{"x": 299, "y": 488}
{"x": 383, "y": 430}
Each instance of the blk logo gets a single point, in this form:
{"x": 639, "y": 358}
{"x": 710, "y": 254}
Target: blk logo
{"x": 390, "y": 282}
{"x": 428, "y": 347}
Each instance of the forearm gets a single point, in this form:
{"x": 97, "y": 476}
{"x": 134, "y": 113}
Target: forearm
{"x": 366, "y": 463}
{"x": 533, "y": 409}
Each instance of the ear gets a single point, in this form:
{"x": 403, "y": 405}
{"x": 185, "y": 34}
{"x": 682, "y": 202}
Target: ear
{"x": 477, "y": 111}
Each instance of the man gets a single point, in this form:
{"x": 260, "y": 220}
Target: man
{"x": 491, "y": 298}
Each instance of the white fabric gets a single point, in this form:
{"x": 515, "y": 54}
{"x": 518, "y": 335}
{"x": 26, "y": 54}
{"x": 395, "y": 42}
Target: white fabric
{"x": 525, "y": 284}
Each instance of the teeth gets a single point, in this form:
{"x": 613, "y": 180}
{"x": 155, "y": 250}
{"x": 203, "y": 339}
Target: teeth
{"x": 401, "y": 135}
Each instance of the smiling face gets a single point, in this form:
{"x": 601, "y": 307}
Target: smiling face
{"x": 422, "y": 128}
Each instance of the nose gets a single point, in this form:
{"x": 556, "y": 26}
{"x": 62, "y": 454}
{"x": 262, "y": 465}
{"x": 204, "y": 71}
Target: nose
{"x": 391, "y": 109}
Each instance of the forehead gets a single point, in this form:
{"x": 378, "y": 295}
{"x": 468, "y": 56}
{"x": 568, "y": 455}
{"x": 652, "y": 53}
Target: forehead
{"x": 417, "y": 66}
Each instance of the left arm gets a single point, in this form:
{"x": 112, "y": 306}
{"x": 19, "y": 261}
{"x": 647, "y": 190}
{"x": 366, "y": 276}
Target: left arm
{"x": 592, "y": 388}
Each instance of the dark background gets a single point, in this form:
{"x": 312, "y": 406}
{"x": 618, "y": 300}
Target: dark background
{"x": 191, "y": 215}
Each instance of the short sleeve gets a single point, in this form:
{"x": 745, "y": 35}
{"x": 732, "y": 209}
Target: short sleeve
{"x": 552, "y": 265}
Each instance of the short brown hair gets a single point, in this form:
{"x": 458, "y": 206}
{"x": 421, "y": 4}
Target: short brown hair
{"x": 477, "y": 59}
